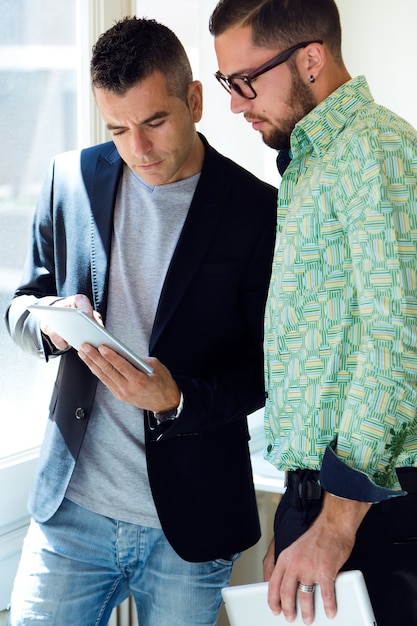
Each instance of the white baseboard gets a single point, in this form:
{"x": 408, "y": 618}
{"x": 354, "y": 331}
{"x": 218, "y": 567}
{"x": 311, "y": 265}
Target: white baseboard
{"x": 10, "y": 548}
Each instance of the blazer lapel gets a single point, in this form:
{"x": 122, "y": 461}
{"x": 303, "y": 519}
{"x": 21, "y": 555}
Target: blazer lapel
{"x": 103, "y": 190}
{"x": 199, "y": 229}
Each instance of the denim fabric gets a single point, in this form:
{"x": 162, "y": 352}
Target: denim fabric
{"x": 78, "y": 566}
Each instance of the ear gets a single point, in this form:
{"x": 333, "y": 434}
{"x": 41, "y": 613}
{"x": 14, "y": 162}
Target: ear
{"x": 195, "y": 100}
{"x": 312, "y": 61}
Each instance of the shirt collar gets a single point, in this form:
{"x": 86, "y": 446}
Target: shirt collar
{"x": 319, "y": 127}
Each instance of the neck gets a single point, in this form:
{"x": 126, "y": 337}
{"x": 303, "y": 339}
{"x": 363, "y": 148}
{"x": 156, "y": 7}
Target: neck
{"x": 329, "y": 81}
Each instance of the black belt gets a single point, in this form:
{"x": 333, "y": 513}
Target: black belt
{"x": 306, "y": 483}
{"x": 408, "y": 478}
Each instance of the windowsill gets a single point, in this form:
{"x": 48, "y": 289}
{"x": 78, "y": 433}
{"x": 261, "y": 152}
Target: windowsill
{"x": 265, "y": 476}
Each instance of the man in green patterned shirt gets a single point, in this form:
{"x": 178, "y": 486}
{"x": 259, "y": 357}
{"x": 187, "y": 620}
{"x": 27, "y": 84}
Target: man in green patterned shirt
{"x": 341, "y": 316}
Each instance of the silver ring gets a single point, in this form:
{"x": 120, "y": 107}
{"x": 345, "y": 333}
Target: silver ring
{"x": 305, "y": 588}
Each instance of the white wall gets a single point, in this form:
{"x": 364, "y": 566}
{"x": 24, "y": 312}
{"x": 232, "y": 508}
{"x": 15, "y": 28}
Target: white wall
{"x": 378, "y": 38}
{"x": 379, "y": 41}
{"x": 228, "y": 133}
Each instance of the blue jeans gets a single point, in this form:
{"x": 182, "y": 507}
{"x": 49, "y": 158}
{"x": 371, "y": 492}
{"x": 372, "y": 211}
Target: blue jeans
{"x": 79, "y": 565}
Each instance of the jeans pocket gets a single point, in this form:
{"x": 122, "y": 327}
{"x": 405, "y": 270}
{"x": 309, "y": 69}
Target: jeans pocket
{"x": 227, "y": 560}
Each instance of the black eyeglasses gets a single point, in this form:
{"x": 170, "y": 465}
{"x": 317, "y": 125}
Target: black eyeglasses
{"x": 242, "y": 84}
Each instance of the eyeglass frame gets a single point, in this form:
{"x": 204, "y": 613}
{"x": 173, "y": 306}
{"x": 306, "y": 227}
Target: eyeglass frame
{"x": 265, "y": 67}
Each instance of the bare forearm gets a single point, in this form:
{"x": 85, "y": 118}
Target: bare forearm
{"x": 341, "y": 516}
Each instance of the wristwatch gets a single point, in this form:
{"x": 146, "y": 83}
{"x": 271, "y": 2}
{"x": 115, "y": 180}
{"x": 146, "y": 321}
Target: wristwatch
{"x": 171, "y": 415}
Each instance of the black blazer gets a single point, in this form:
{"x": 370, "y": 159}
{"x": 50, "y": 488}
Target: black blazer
{"x": 208, "y": 331}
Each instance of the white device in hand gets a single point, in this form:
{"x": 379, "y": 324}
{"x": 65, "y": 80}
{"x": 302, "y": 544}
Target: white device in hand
{"x": 76, "y": 327}
{"x": 247, "y": 605}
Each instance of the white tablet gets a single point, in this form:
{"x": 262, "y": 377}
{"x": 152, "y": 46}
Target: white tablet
{"x": 247, "y": 605}
{"x": 76, "y": 327}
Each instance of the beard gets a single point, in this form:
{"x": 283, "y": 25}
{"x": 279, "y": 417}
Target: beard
{"x": 300, "y": 101}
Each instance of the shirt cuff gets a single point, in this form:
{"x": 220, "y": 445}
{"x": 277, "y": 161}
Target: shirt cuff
{"x": 343, "y": 481}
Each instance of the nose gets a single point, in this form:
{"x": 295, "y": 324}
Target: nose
{"x": 141, "y": 144}
{"x": 238, "y": 104}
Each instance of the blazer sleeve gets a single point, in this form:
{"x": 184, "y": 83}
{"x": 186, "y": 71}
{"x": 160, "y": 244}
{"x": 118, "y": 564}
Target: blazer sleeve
{"x": 58, "y": 263}
{"x": 37, "y": 280}
{"x": 236, "y": 387}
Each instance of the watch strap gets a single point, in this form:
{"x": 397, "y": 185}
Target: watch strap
{"x": 166, "y": 416}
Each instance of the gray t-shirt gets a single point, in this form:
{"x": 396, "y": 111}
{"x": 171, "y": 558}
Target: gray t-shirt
{"x": 110, "y": 477}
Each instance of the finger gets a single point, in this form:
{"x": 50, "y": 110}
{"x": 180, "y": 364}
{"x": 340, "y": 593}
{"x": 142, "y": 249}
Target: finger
{"x": 119, "y": 363}
{"x": 268, "y": 561}
{"x": 97, "y": 317}
{"x": 329, "y": 598}
{"x": 80, "y": 301}
{"x": 77, "y": 301}
{"x": 274, "y": 593}
{"x": 289, "y": 598}
{"x": 112, "y": 370}
{"x": 104, "y": 371}
{"x": 56, "y": 339}
{"x": 89, "y": 355}
{"x": 95, "y": 361}
{"x": 306, "y": 604}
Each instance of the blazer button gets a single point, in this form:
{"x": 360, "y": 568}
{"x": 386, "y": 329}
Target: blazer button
{"x": 80, "y": 413}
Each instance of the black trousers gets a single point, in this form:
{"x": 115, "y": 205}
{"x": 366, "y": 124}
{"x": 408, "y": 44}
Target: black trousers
{"x": 386, "y": 543}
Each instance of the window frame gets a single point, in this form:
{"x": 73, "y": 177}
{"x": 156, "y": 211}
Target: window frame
{"x": 16, "y": 470}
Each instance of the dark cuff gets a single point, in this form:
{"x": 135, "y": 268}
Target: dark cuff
{"x": 341, "y": 480}
{"x": 49, "y": 348}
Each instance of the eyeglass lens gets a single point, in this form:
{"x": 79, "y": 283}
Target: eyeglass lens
{"x": 242, "y": 87}
{"x": 239, "y": 84}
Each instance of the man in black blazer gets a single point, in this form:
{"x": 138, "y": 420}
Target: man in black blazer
{"x": 144, "y": 483}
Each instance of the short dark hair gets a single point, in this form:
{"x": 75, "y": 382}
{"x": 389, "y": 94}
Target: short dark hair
{"x": 281, "y": 22}
{"x": 132, "y": 50}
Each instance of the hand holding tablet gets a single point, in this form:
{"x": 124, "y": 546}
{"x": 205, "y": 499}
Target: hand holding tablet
{"x": 247, "y": 605}
{"x": 76, "y": 327}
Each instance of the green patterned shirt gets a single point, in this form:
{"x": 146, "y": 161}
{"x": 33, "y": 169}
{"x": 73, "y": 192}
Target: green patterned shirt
{"x": 341, "y": 316}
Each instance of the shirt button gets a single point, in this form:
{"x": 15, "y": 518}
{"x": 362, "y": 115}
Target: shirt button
{"x": 269, "y": 448}
{"x": 80, "y": 413}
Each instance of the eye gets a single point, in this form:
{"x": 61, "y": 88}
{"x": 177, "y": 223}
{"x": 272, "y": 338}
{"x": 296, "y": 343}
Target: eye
{"x": 115, "y": 133}
{"x": 156, "y": 124}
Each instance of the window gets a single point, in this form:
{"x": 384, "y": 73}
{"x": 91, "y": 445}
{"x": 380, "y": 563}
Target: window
{"x": 38, "y": 117}
{"x": 45, "y": 108}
